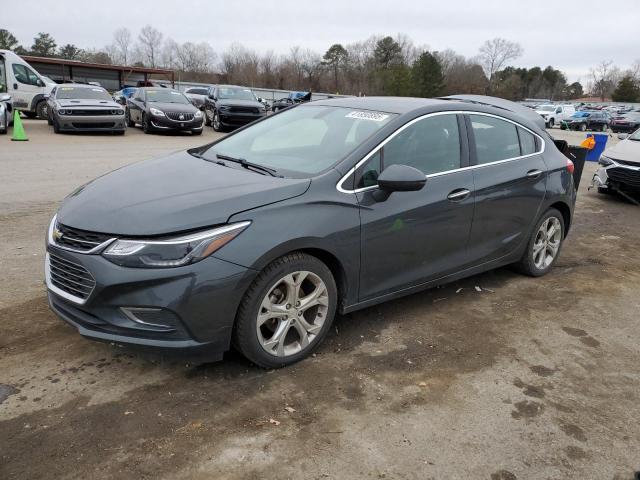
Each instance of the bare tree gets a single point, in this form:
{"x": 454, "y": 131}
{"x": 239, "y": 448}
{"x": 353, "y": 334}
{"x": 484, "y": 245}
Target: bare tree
{"x": 122, "y": 43}
{"x": 494, "y": 55}
{"x": 150, "y": 41}
{"x": 604, "y": 78}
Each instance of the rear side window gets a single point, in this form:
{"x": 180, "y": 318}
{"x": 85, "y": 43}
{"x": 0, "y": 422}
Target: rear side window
{"x": 496, "y": 139}
{"x": 527, "y": 142}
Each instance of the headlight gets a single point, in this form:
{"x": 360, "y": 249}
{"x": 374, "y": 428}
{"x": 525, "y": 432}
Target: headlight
{"x": 198, "y": 114}
{"x": 62, "y": 112}
{"x": 605, "y": 161}
{"x": 172, "y": 252}
{"x": 156, "y": 112}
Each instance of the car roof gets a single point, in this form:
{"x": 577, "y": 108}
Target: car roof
{"x": 233, "y": 86}
{"x": 412, "y": 105}
{"x": 79, "y": 85}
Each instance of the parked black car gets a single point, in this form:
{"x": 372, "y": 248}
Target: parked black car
{"x": 229, "y": 106}
{"x": 293, "y": 98}
{"x": 626, "y": 123}
{"x": 587, "y": 120}
{"x": 332, "y": 206}
{"x": 162, "y": 109}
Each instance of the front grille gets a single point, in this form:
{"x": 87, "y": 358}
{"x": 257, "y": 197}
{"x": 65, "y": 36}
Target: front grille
{"x": 97, "y": 111}
{"x": 624, "y": 175}
{"x": 93, "y": 125}
{"x": 76, "y": 239}
{"x": 70, "y": 277}
{"x": 253, "y": 110}
{"x": 186, "y": 117}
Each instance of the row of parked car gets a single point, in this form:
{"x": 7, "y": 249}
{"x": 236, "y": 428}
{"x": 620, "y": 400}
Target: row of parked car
{"x": 566, "y": 116}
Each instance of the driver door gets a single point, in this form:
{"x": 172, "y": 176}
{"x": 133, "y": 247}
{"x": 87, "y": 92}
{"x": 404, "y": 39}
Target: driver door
{"x": 411, "y": 238}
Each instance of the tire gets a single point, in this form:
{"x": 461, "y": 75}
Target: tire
{"x": 216, "y": 123}
{"x": 535, "y": 262}
{"x": 29, "y": 114}
{"x": 56, "y": 126}
{"x": 583, "y": 127}
{"x": 274, "y": 109}
{"x": 127, "y": 118}
{"x": 604, "y": 127}
{"x": 207, "y": 121}
{"x": 49, "y": 121}
{"x": 119, "y": 132}
{"x": 146, "y": 126}
{"x": 42, "y": 110}
{"x": 604, "y": 191}
{"x": 551, "y": 122}
{"x": 196, "y": 132}
{"x": 277, "y": 287}
{"x": 5, "y": 129}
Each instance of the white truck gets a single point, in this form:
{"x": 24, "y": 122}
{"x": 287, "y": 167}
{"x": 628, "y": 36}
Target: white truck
{"x": 28, "y": 89}
{"x": 555, "y": 114}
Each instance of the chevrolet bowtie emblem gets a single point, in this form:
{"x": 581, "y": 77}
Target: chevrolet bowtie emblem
{"x": 57, "y": 234}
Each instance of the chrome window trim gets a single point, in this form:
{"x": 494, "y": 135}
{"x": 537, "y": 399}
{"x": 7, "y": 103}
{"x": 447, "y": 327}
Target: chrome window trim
{"x": 58, "y": 291}
{"x": 375, "y": 150}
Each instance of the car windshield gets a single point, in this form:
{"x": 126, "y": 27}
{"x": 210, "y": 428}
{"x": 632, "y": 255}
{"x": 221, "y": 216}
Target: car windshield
{"x": 547, "y": 108}
{"x": 197, "y": 91}
{"x": 236, "y": 93}
{"x": 635, "y": 136}
{"x": 302, "y": 141}
{"x": 83, "y": 93}
{"x": 166, "y": 96}
{"x": 581, "y": 114}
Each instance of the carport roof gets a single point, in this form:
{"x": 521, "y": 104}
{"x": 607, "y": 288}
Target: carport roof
{"x": 103, "y": 66}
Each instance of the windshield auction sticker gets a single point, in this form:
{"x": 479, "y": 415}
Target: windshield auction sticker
{"x": 374, "y": 116}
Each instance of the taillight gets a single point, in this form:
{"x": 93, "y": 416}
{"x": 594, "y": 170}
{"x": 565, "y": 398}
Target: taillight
{"x": 570, "y": 166}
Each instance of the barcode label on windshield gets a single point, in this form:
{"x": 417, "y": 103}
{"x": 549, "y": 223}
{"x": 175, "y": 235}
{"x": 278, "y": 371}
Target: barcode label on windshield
{"x": 375, "y": 116}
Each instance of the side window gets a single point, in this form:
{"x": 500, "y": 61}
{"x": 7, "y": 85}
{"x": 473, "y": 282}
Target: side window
{"x": 431, "y": 145}
{"x": 495, "y": 139}
{"x": 527, "y": 142}
{"x": 367, "y": 174}
{"x": 3, "y": 77}
{"x": 25, "y": 75}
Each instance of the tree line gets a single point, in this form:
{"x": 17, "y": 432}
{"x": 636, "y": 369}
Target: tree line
{"x": 379, "y": 65}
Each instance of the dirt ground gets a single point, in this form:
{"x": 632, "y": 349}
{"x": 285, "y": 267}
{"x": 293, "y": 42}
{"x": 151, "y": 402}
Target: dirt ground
{"x": 524, "y": 379}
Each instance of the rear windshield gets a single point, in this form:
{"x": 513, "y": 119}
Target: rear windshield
{"x": 82, "y": 93}
{"x": 162, "y": 95}
{"x": 302, "y": 141}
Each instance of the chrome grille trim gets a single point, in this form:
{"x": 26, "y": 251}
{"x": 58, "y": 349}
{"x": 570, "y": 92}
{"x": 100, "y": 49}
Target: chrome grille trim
{"x": 94, "y": 245}
{"x": 69, "y": 280}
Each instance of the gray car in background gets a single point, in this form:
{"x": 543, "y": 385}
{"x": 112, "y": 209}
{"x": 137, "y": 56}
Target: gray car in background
{"x": 261, "y": 237}
{"x": 77, "y": 107}
{"x": 197, "y": 95}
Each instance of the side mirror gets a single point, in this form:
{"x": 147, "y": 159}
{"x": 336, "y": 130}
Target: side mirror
{"x": 621, "y": 136}
{"x": 260, "y": 99}
{"x": 401, "y": 178}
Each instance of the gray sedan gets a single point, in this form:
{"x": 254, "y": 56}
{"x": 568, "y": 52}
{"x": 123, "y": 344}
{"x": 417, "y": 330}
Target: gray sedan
{"x": 79, "y": 107}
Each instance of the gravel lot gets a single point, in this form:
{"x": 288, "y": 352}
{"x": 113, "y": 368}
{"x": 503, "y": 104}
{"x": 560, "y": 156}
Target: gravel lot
{"x": 525, "y": 379}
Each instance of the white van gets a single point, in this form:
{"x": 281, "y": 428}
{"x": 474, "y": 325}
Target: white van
{"x": 28, "y": 89}
{"x": 555, "y": 114}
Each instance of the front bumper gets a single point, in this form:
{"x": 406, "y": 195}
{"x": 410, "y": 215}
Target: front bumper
{"x": 237, "y": 119}
{"x": 164, "y": 123}
{"x": 615, "y": 127}
{"x": 91, "y": 123}
{"x": 194, "y": 306}
{"x": 617, "y": 177}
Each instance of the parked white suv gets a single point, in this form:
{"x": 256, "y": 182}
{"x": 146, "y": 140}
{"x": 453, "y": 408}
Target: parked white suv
{"x": 554, "y": 114}
{"x": 28, "y": 89}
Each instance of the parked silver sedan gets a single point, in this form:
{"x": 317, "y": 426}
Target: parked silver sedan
{"x": 78, "y": 107}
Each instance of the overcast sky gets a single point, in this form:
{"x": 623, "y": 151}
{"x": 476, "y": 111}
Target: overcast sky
{"x": 571, "y": 36}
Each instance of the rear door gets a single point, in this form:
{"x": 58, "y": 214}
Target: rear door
{"x": 412, "y": 237}
{"x": 510, "y": 181}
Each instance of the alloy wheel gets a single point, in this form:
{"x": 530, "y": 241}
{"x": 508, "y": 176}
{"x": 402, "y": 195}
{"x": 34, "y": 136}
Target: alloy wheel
{"x": 216, "y": 122}
{"x": 292, "y": 313}
{"x": 547, "y": 243}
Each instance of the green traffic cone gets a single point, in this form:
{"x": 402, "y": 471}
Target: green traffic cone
{"x": 18, "y": 129}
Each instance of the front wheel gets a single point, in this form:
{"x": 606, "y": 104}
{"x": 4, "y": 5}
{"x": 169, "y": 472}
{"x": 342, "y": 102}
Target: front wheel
{"x": 604, "y": 127}
{"x": 42, "y": 110}
{"x": 5, "y": 129}
{"x": 551, "y": 122}
{"x": 544, "y": 245}
{"x": 286, "y": 312}
{"x": 216, "y": 123}
{"x": 146, "y": 125}
{"x": 583, "y": 127}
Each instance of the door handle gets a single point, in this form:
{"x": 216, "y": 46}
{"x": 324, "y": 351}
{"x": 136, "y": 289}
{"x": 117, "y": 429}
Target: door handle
{"x": 534, "y": 173}
{"x": 459, "y": 194}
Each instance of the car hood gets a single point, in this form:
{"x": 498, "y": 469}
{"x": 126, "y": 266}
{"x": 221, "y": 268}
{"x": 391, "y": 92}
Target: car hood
{"x": 171, "y": 194}
{"x": 87, "y": 103}
{"x": 626, "y": 150}
{"x": 239, "y": 103}
{"x": 173, "y": 107}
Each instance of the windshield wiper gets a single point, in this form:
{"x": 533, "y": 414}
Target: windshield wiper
{"x": 246, "y": 164}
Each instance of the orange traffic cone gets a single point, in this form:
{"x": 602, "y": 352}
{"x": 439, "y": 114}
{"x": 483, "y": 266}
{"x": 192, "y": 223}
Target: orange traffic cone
{"x": 18, "y": 129}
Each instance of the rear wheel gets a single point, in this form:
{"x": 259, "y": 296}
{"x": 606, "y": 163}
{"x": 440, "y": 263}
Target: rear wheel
{"x": 544, "y": 244}
{"x": 4, "y": 129}
{"x": 287, "y": 311}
